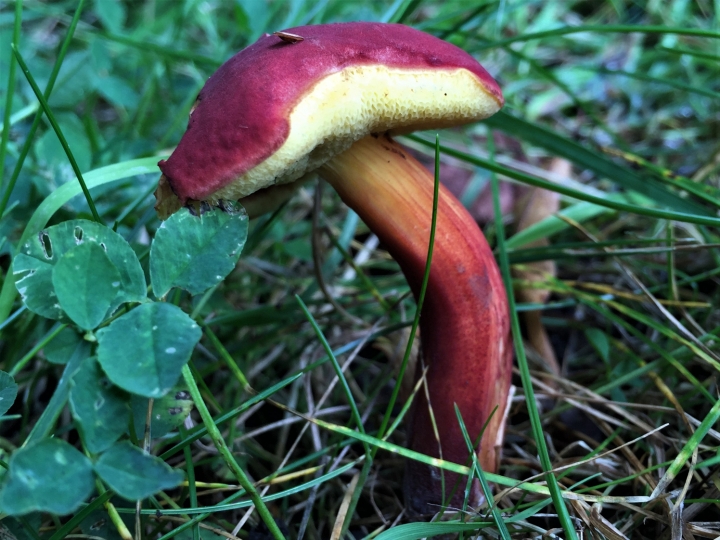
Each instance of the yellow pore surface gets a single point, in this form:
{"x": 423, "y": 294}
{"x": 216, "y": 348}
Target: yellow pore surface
{"x": 348, "y": 105}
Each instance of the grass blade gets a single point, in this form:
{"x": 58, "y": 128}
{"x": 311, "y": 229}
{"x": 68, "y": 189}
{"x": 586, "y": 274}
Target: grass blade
{"x": 535, "y": 422}
{"x": 687, "y": 450}
{"x": 497, "y": 516}
{"x": 357, "y": 418}
{"x": 587, "y": 159}
{"x": 200, "y": 431}
{"x": 58, "y": 132}
{"x": 227, "y": 456}
{"x": 9, "y": 95}
{"x": 421, "y": 296}
{"x": 607, "y": 202}
{"x": 415, "y": 531}
{"x": 654, "y": 80}
{"x": 603, "y": 29}
{"x": 38, "y": 116}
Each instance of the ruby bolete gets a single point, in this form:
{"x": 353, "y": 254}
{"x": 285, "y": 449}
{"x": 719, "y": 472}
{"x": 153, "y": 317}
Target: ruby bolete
{"x": 280, "y": 109}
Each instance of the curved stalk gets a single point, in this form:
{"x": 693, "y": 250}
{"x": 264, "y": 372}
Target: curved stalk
{"x": 464, "y": 323}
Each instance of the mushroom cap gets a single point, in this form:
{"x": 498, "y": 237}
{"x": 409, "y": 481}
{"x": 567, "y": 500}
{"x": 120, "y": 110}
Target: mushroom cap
{"x": 279, "y": 109}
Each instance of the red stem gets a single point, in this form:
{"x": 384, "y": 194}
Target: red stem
{"x": 464, "y": 325}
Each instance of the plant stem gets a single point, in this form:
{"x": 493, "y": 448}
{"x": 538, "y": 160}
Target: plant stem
{"x": 224, "y": 451}
{"x": 115, "y": 518}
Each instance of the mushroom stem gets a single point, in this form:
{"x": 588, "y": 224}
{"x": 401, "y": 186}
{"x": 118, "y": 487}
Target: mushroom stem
{"x": 464, "y": 323}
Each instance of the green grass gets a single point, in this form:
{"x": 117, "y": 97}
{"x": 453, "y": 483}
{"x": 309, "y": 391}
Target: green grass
{"x": 627, "y": 92}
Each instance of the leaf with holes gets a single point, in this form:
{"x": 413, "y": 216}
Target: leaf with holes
{"x": 149, "y": 364}
{"x": 86, "y": 283}
{"x": 197, "y": 252}
{"x": 8, "y": 392}
{"x": 168, "y": 412}
{"x": 50, "y": 476}
{"x": 33, "y": 266}
{"x": 133, "y": 474}
{"x": 100, "y": 409}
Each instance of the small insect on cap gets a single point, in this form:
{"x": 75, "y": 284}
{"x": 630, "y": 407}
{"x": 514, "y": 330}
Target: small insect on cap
{"x": 287, "y": 104}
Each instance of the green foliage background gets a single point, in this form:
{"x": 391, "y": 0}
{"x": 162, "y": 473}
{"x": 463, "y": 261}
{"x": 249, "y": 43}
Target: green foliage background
{"x": 626, "y": 91}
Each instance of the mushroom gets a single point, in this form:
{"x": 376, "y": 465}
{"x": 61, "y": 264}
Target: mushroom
{"x": 329, "y": 103}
